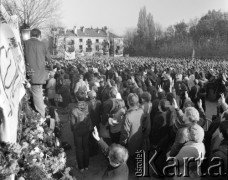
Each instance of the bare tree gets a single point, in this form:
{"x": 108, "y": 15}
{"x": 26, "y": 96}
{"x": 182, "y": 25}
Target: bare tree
{"x": 34, "y": 12}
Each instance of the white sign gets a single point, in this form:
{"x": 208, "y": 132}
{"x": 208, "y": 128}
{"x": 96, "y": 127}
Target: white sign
{"x": 12, "y": 75}
{"x": 69, "y": 55}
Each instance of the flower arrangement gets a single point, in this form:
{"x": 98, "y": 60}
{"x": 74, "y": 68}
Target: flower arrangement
{"x": 9, "y": 154}
{"x": 38, "y": 155}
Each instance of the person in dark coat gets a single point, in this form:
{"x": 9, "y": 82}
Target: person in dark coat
{"x": 101, "y": 88}
{"x": 221, "y": 152}
{"x": 193, "y": 94}
{"x": 160, "y": 125}
{"x": 36, "y": 55}
{"x": 81, "y": 126}
{"x": 117, "y": 156}
{"x": 105, "y": 91}
{"x": 184, "y": 88}
{"x": 159, "y": 136}
{"x": 202, "y": 94}
{"x": 66, "y": 96}
{"x": 94, "y": 107}
{"x": 108, "y": 104}
{"x": 107, "y": 108}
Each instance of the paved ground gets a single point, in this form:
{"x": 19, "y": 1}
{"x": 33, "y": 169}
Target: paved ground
{"x": 98, "y": 163}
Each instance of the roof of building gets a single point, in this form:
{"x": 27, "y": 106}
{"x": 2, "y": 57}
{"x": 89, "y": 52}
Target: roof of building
{"x": 113, "y": 35}
{"x": 88, "y": 32}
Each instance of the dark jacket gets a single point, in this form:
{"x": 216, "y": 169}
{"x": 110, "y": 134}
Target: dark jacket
{"x": 221, "y": 152}
{"x": 107, "y": 107}
{"x": 166, "y": 85}
{"x": 105, "y": 93}
{"x": 95, "y": 111}
{"x": 159, "y": 130}
{"x": 193, "y": 94}
{"x": 113, "y": 173}
{"x": 36, "y": 54}
{"x": 80, "y": 120}
{"x": 65, "y": 93}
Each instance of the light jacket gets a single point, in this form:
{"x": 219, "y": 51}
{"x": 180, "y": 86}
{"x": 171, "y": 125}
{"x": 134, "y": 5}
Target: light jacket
{"x": 131, "y": 132}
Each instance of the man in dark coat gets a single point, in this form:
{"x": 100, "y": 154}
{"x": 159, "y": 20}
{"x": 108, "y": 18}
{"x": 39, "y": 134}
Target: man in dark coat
{"x": 221, "y": 152}
{"x": 117, "y": 156}
{"x": 36, "y": 55}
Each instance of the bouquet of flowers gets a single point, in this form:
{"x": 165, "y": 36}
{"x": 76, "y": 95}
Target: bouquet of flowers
{"x": 9, "y": 155}
{"x": 38, "y": 155}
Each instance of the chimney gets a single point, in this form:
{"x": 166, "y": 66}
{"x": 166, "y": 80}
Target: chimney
{"x": 106, "y": 30}
{"x": 75, "y": 30}
{"x": 64, "y": 30}
{"x": 83, "y": 29}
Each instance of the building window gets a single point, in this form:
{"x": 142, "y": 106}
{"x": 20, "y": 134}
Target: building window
{"x": 97, "y": 48}
{"x": 97, "y": 40}
{"x": 89, "y": 42}
{"x": 71, "y": 49}
{"x": 80, "y": 40}
{"x": 89, "y": 48}
{"x": 105, "y": 46}
{"x": 80, "y": 48}
{"x": 71, "y": 42}
{"x": 117, "y": 49}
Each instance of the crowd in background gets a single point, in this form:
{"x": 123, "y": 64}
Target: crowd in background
{"x": 142, "y": 103}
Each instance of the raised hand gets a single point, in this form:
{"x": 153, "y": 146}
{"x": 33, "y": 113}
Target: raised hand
{"x": 175, "y": 103}
{"x": 116, "y": 74}
{"x": 223, "y": 100}
{"x": 199, "y": 103}
{"x": 171, "y": 82}
{"x": 109, "y": 83}
{"x": 224, "y": 77}
{"x": 96, "y": 134}
{"x": 143, "y": 79}
{"x": 112, "y": 121}
{"x": 186, "y": 95}
{"x": 160, "y": 88}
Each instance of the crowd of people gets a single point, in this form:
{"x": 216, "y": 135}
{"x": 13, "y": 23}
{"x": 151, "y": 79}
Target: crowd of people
{"x": 127, "y": 104}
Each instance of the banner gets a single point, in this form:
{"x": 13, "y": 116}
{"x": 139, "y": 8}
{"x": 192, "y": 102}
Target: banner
{"x": 69, "y": 55}
{"x": 12, "y": 75}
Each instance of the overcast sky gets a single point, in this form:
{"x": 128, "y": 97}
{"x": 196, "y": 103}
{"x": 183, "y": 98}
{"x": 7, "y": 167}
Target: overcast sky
{"x": 119, "y": 15}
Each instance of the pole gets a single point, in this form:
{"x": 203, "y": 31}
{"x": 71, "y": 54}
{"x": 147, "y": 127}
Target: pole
{"x": 113, "y": 47}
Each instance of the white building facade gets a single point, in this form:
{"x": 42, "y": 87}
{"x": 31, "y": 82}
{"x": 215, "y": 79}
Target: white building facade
{"x": 87, "y": 41}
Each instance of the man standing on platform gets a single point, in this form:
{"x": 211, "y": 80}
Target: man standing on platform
{"x": 36, "y": 54}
